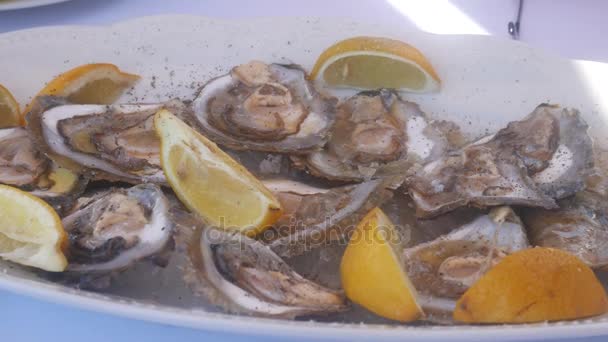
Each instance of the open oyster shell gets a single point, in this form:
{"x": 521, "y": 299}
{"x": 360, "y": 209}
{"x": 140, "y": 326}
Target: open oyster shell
{"x": 572, "y": 162}
{"x": 264, "y": 107}
{"x": 579, "y": 226}
{"x": 243, "y": 275}
{"x": 376, "y": 133}
{"x": 317, "y": 217}
{"x": 291, "y": 193}
{"x": 23, "y": 166}
{"x": 531, "y": 163}
{"x": 444, "y": 268}
{"x": 110, "y": 142}
{"x": 110, "y": 230}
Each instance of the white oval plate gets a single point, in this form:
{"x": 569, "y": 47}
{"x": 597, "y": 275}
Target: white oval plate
{"x": 486, "y": 83}
{"x": 6, "y": 5}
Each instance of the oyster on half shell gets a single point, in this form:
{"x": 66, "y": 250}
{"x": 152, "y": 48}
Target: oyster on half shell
{"x": 243, "y": 275}
{"x": 23, "y": 166}
{"x": 376, "y": 133}
{"x": 109, "y": 230}
{"x": 316, "y": 217}
{"x": 110, "y": 142}
{"x": 531, "y": 162}
{"x": 441, "y": 270}
{"x": 264, "y": 107}
{"x": 580, "y": 224}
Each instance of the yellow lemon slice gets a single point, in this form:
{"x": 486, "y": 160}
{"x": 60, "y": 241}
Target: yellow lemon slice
{"x": 210, "y": 183}
{"x": 31, "y": 232}
{"x": 533, "y": 285}
{"x": 374, "y": 62}
{"x": 372, "y": 272}
{"x": 10, "y": 116}
{"x": 98, "y": 83}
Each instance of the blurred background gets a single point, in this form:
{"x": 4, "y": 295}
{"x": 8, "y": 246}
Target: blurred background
{"x": 573, "y": 29}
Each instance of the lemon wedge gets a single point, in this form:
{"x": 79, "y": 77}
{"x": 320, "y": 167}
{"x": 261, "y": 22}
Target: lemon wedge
{"x": 10, "y": 116}
{"x": 374, "y": 62}
{"x": 533, "y": 285}
{"x": 210, "y": 183}
{"x": 31, "y": 232}
{"x": 98, "y": 83}
{"x": 372, "y": 272}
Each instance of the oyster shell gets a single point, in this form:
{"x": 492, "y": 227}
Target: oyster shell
{"x": 597, "y": 181}
{"x": 290, "y": 194}
{"x": 317, "y": 218}
{"x": 243, "y": 275}
{"x": 444, "y": 268}
{"x": 115, "y": 142}
{"x": 377, "y": 133}
{"x": 23, "y": 166}
{"x": 572, "y": 162}
{"x": 264, "y": 107}
{"x": 112, "y": 229}
{"x": 580, "y": 224}
{"x": 531, "y": 163}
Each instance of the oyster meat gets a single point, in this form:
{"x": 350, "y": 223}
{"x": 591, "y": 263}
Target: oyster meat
{"x": 116, "y": 142}
{"x": 316, "y": 217}
{"x": 112, "y": 229}
{"x": 531, "y": 163}
{"x": 264, "y": 107}
{"x": 20, "y": 163}
{"x": 23, "y": 166}
{"x": 377, "y": 133}
{"x": 441, "y": 270}
{"x": 243, "y": 275}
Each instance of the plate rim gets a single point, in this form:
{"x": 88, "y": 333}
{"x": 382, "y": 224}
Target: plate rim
{"x": 220, "y": 322}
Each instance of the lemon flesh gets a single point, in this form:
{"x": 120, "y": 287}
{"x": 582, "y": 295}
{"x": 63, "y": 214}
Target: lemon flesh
{"x": 31, "y": 232}
{"x": 103, "y": 91}
{"x": 533, "y": 285}
{"x": 375, "y": 62}
{"x": 210, "y": 183}
{"x": 98, "y": 83}
{"x": 372, "y": 273}
{"x": 6, "y": 117}
{"x": 372, "y": 72}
